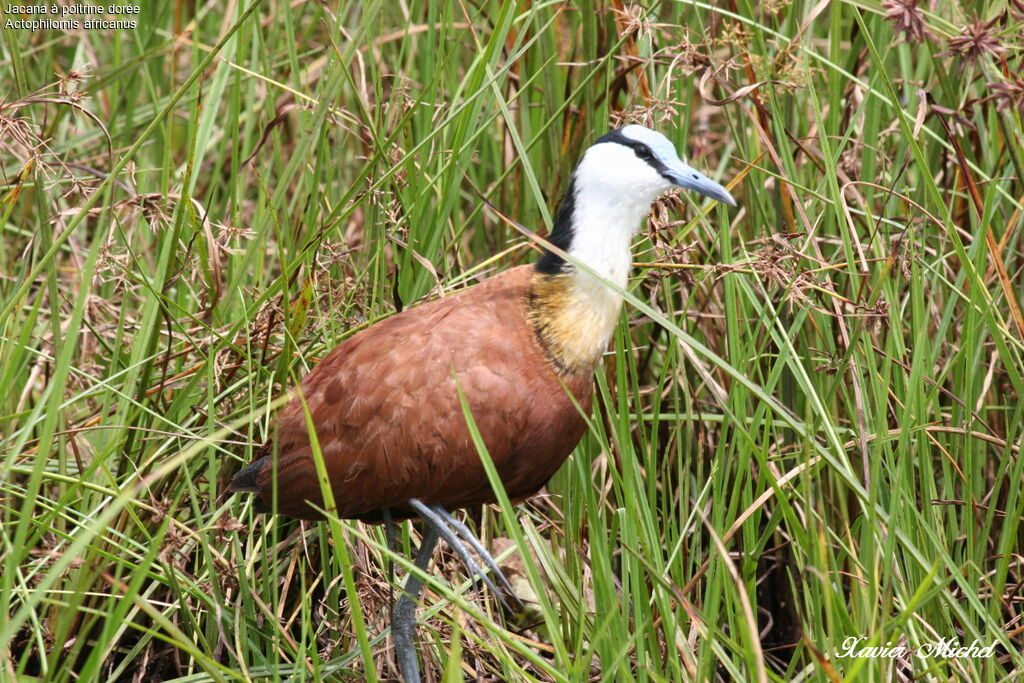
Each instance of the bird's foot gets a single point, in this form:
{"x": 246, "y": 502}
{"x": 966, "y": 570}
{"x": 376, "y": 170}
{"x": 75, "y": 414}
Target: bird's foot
{"x": 457, "y": 536}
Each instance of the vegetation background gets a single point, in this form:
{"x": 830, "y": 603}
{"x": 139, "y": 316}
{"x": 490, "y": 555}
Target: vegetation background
{"x": 809, "y": 429}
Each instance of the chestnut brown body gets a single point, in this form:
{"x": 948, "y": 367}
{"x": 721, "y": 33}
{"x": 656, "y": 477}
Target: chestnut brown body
{"x": 522, "y": 346}
{"x": 388, "y": 418}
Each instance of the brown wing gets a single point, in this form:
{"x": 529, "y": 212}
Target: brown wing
{"x": 389, "y": 422}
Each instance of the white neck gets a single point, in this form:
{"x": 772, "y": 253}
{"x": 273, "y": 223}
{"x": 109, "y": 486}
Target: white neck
{"x": 572, "y": 310}
{"x": 603, "y": 232}
{"x": 610, "y": 205}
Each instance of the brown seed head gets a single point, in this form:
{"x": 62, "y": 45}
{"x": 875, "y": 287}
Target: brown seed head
{"x": 1009, "y": 93}
{"x": 975, "y": 40}
{"x": 907, "y": 19}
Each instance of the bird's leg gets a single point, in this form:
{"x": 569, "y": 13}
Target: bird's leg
{"x": 403, "y": 616}
{"x": 440, "y": 520}
{"x": 488, "y": 559}
{"x": 389, "y": 533}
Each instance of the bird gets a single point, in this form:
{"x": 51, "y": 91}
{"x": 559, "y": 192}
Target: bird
{"x": 520, "y": 348}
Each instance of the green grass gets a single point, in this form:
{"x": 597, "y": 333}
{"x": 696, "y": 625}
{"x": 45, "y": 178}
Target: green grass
{"x": 808, "y": 430}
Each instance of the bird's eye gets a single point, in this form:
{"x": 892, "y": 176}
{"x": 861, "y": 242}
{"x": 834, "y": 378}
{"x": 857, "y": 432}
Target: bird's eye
{"x": 644, "y": 153}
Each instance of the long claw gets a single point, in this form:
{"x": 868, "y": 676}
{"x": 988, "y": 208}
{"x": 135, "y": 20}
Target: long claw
{"x": 441, "y": 525}
{"x": 488, "y": 559}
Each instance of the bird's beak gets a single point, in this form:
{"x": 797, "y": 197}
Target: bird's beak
{"x": 684, "y": 176}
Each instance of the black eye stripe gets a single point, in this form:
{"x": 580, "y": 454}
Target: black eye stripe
{"x": 642, "y": 151}
{"x": 646, "y": 154}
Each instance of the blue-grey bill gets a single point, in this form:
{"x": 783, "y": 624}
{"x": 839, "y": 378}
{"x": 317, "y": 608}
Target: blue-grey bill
{"x": 701, "y": 184}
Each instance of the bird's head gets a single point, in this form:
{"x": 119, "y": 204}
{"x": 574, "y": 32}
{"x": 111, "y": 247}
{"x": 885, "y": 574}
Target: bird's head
{"x": 611, "y": 191}
{"x": 637, "y": 164}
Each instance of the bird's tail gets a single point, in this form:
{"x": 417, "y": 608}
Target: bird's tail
{"x": 248, "y": 478}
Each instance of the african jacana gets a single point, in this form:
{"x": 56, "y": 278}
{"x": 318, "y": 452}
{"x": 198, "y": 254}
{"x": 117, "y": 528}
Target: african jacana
{"x": 384, "y": 403}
